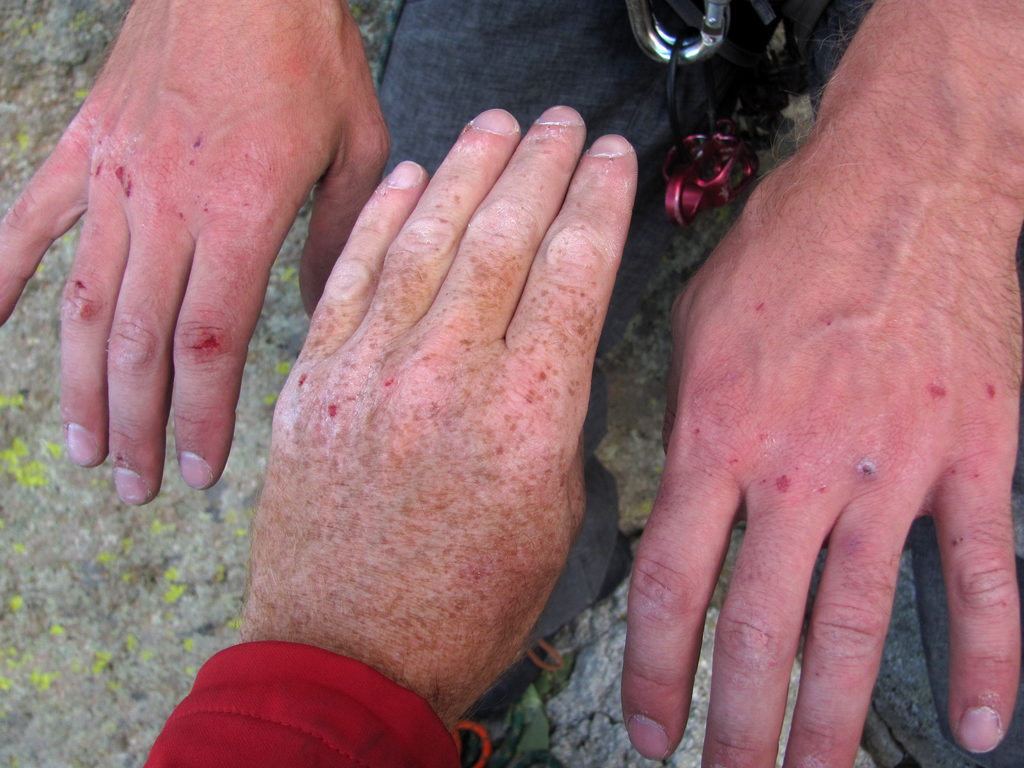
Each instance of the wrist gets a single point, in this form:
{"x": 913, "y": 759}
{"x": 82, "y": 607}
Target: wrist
{"x": 924, "y": 93}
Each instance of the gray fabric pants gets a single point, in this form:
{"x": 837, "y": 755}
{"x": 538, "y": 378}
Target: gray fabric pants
{"x": 451, "y": 60}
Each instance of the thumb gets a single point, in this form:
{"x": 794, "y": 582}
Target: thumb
{"x": 337, "y": 201}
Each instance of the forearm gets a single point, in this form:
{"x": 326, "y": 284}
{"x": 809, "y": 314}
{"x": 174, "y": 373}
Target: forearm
{"x": 909, "y": 194}
{"x": 937, "y": 82}
{"x": 928, "y": 95}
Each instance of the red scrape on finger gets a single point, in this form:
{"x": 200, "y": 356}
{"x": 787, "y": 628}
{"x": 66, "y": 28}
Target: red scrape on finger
{"x": 87, "y": 309}
{"x": 302, "y": 379}
{"x": 936, "y": 391}
{"x": 332, "y": 410}
{"x": 125, "y": 179}
{"x": 208, "y": 342}
{"x": 782, "y": 483}
{"x": 990, "y": 390}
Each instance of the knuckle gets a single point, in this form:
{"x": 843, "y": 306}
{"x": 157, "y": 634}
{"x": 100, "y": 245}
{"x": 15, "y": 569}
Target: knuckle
{"x": 575, "y": 243}
{"x": 506, "y": 225}
{"x": 848, "y": 633}
{"x": 133, "y": 345}
{"x": 427, "y": 234}
{"x": 662, "y": 593}
{"x": 748, "y": 642}
{"x": 986, "y": 589}
{"x": 81, "y": 302}
{"x": 373, "y": 147}
{"x": 126, "y": 440}
{"x": 203, "y": 342}
{"x": 733, "y": 747}
{"x": 354, "y": 280}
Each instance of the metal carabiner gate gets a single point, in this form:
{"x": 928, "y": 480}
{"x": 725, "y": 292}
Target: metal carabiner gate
{"x": 657, "y": 43}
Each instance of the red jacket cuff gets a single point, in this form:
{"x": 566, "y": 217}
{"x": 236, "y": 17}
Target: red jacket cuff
{"x": 285, "y": 704}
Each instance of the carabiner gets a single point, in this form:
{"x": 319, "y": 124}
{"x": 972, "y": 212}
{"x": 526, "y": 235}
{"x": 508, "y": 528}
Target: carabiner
{"x": 657, "y": 43}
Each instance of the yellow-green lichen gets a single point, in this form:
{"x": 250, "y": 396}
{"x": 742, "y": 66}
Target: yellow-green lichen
{"x": 42, "y": 680}
{"x": 174, "y": 592}
{"x": 29, "y": 474}
{"x": 100, "y": 661}
{"x": 159, "y": 527}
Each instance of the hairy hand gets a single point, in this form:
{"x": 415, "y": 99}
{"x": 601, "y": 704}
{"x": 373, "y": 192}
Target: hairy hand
{"x": 425, "y": 477}
{"x": 838, "y": 370}
{"x": 189, "y": 165}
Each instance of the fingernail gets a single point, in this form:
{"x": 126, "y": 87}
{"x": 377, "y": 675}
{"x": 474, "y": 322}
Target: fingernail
{"x": 610, "y": 146}
{"x": 194, "y": 471}
{"x": 648, "y": 737}
{"x": 495, "y": 121}
{"x": 81, "y": 444}
{"x": 980, "y": 730}
{"x": 405, "y": 175}
{"x": 130, "y": 486}
{"x": 560, "y": 116}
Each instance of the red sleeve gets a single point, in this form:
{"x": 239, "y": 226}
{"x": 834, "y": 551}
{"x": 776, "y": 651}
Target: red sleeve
{"x": 288, "y": 705}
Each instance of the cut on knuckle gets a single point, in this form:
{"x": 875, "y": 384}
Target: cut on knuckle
{"x": 987, "y": 589}
{"x": 662, "y": 593}
{"x": 81, "y": 302}
{"x": 133, "y": 346}
{"x": 202, "y": 343}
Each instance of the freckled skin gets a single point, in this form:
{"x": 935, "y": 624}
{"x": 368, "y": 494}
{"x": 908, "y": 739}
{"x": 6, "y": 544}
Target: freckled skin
{"x": 421, "y": 488}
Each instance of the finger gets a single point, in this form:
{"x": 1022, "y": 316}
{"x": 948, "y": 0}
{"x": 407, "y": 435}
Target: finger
{"x": 847, "y": 633}
{"x": 218, "y": 315}
{"x": 139, "y": 356}
{"x": 48, "y": 207}
{"x": 975, "y": 533}
{"x": 486, "y": 278}
{"x": 758, "y": 633}
{"x": 351, "y": 285}
{"x": 674, "y": 575}
{"x": 566, "y": 294}
{"x": 87, "y": 313}
{"x": 418, "y": 260}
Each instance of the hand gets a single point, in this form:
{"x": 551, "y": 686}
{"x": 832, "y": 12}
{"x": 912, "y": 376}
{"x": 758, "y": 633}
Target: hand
{"x": 849, "y": 358}
{"x": 425, "y": 479}
{"x": 190, "y": 164}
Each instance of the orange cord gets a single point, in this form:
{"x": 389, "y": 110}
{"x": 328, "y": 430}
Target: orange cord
{"x": 486, "y": 747}
{"x": 551, "y": 652}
